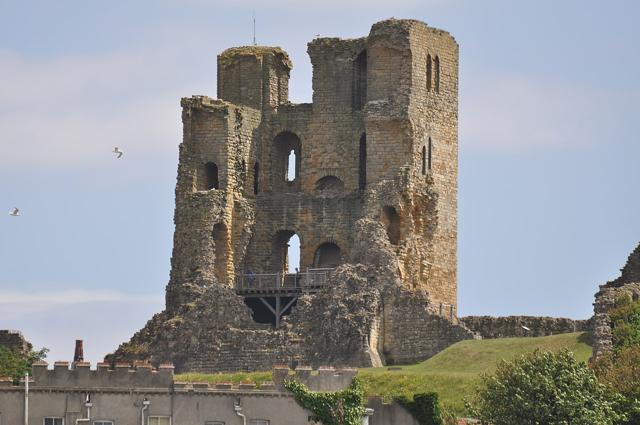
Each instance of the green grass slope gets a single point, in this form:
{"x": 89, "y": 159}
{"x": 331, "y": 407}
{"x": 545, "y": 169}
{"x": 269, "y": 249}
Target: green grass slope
{"x": 451, "y": 373}
{"x": 454, "y": 372}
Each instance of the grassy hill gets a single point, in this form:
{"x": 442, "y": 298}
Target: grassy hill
{"x": 452, "y": 373}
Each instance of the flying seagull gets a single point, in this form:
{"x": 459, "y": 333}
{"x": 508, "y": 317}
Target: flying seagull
{"x": 14, "y": 212}
{"x": 525, "y": 328}
{"x": 118, "y": 152}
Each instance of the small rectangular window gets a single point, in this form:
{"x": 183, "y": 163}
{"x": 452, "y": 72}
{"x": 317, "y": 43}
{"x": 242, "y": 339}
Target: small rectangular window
{"x": 159, "y": 420}
{"x": 258, "y": 422}
{"x": 53, "y": 421}
{"x": 214, "y": 423}
{"x": 102, "y": 422}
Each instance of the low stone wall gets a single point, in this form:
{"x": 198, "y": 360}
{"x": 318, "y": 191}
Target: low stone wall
{"x": 15, "y": 341}
{"x": 513, "y": 326}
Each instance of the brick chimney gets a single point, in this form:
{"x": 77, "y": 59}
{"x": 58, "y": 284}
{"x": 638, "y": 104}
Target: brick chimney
{"x": 78, "y": 356}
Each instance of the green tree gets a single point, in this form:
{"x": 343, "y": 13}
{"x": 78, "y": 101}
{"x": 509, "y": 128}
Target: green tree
{"x": 545, "y": 388}
{"x": 621, "y": 371}
{"x": 14, "y": 365}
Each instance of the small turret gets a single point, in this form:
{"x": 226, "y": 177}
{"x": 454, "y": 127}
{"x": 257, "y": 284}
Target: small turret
{"x": 254, "y": 76}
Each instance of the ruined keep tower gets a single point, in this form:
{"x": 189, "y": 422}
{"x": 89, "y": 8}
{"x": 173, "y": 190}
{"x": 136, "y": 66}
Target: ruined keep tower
{"x": 365, "y": 176}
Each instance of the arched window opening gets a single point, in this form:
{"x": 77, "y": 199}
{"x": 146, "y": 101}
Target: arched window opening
{"x": 360, "y": 81}
{"x": 391, "y": 222}
{"x": 429, "y": 72}
{"x": 287, "y": 252}
{"x": 288, "y": 149}
{"x": 362, "y": 163}
{"x": 430, "y": 154}
{"x": 423, "y": 159}
{"x": 328, "y": 255}
{"x": 437, "y": 74}
{"x": 211, "y": 171}
{"x": 291, "y": 166}
{"x": 330, "y": 184}
{"x": 219, "y": 235}
{"x": 256, "y": 176}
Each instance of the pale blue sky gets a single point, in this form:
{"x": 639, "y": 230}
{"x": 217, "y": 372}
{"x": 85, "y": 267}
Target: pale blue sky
{"x": 549, "y": 152}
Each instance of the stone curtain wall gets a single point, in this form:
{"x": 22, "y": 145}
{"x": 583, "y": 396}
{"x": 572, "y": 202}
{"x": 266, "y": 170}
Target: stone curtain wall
{"x": 397, "y": 235}
{"x": 15, "y": 341}
{"x": 628, "y": 284}
{"x": 512, "y": 326}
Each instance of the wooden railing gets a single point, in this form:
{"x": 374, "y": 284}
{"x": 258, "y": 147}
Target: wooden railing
{"x": 310, "y": 280}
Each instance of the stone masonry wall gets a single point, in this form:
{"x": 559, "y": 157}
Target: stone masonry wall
{"x": 628, "y": 284}
{"x": 512, "y": 326}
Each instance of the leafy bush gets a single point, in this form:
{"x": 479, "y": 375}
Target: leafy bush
{"x": 621, "y": 371}
{"x": 545, "y": 388}
{"x": 625, "y": 318}
{"x": 425, "y": 408}
{"x": 14, "y": 365}
{"x": 344, "y": 407}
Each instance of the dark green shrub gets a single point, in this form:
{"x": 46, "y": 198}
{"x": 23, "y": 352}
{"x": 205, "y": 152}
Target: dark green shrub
{"x": 344, "y": 407}
{"x": 424, "y": 407}
{"x": 545, "y": 388}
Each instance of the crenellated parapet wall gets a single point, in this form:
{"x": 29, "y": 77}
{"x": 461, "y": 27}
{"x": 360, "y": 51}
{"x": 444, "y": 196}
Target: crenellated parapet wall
{"x": 322, "y": 379}
{"x": 80, "y": 375}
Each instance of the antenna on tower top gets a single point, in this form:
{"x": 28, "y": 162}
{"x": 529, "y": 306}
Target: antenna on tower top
{"x": 254, "y": 28}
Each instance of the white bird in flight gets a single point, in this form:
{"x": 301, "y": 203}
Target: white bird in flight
{"x": 14, "y": 212}
{"x": 118, "y": 152}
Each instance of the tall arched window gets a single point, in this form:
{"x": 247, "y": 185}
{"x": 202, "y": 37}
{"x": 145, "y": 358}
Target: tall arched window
{"x": 437, "y": 74}
{"x": 360, "y": 81}
{"x": 429, "y": 154}
{"x": 424, "y": 160}
{"x": 429, "y": 72}
{"x": 256, "y": 176}
{"x": 362, "y": 163}
{"x": 211, "y": 171}
{"x": 288, "y": 149}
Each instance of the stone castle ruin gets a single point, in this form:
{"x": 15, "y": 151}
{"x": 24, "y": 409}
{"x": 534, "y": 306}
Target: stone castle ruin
{"x": 628, "y": 285}
{"x": 365, "y": 177}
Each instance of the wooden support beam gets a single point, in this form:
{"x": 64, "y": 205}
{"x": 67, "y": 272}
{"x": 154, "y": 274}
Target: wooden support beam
{"x": 268, "y": 306}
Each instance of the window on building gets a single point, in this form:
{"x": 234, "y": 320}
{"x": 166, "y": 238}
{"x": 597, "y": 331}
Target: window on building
{"x": 258, "y": 422}
{"x": 437, "y": 74}
{"x": 211, "y": 170}
{"x": 423, "y": 159}
{"x": 214, "y": 423}
{"x": 327, "y": 256}
{"x": 429, "y": 72}
{"x": 429, "y": 154}
{"x": 102, "y": 422}
{"x": 53, "y": 421}
{"x": 292, "y": 171}
{"x": 360, "y": 81}
{"x": 362, "y": 163}
{"x": 288, "y": 148}
{"x": 159, "y": 420}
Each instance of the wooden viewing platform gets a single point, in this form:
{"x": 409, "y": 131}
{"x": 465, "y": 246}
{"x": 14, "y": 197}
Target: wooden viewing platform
{"x": 279, "y": 285}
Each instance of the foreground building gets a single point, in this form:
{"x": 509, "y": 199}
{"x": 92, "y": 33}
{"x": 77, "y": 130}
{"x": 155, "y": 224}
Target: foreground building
{"x": 142, "y": 395}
